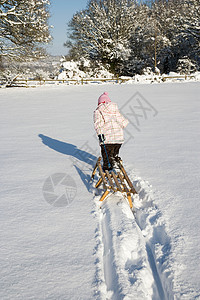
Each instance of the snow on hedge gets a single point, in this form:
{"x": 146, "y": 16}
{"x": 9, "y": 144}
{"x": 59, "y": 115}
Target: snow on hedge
{"x": 82, "y": 69}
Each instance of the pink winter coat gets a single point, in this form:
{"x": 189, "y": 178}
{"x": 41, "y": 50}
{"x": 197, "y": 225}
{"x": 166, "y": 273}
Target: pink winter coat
{"x": 109, "y": 121}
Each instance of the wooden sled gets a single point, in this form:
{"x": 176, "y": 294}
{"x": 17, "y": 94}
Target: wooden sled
{"x": 114, "y": 181}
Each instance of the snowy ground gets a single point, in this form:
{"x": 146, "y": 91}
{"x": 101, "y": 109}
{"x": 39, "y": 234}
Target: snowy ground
{"x": 52, "y": 249}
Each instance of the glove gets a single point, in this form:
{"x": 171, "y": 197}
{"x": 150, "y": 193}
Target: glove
{"x": 101, "y": 138}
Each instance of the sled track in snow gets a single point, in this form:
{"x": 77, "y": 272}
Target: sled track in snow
{"x": 132, "y": 250}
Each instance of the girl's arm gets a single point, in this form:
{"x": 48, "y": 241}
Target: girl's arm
{"x": 98, "y": 122}
{"x": 121, "y": 119}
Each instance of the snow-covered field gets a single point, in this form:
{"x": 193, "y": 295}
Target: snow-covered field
{"x": 53, "y": 249}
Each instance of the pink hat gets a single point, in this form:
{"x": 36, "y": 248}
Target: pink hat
{"x": 104, "y": 98}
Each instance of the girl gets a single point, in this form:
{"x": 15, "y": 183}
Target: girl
{"x": 109, "y": 124}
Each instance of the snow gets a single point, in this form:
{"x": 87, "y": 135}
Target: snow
{"x": 72, "y": 70}
{"x": 91, "y": 250}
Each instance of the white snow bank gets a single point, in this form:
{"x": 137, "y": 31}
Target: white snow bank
{"x": 76, "y": 70}
{"x": 82, "y": 70}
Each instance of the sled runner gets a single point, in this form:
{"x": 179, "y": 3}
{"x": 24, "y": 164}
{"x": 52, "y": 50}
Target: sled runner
{"x": 114, "y": 181}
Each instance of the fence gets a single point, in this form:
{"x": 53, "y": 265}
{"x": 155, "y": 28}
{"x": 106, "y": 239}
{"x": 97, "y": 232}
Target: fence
{"x": 164, "y": 78}
{"x": 35, "y": 82}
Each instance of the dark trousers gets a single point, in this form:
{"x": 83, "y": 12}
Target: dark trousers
{"x": 112, "y": 152}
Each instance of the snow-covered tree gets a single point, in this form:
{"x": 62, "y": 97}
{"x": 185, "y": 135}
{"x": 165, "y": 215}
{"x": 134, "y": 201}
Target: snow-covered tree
{"x": 103, "y": 30}
{"x": 187, "y": 38}
{"x": 132, "y": 35}
{"x": 179, "y": 22}
{"x": 142, "y": 41}
{"x": 23, "y": 28}
{"x": 168, "y": 31}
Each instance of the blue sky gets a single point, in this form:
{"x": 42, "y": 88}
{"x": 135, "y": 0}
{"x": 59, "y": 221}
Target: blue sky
{"x": 61, "y": 13}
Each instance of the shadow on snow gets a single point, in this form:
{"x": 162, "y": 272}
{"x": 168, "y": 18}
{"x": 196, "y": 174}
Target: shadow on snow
{"x": 75, "y": 154}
